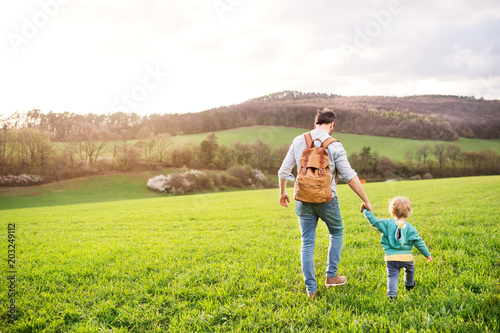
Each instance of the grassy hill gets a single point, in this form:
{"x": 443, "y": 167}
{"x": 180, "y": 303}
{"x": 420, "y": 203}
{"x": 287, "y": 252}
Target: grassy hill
{"x": 104, "y": 188}
{"x": 226, "y": 262}
{"x": 79, "y": 190}
{"x": 394, "y": 148}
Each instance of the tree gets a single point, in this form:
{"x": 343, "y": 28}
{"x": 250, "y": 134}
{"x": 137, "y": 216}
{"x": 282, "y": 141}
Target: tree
{"x": 453, "y": 154}
{"x": 490, "y": 158}
{"x": 3, "y": 148}
{"x": 421, "y": 153}
{"x": 91, "y": 142}
{"x": 243, "y": 152}
{"x": 278, "y": 156}
{"x": 261, "y": 155}
{"x": 161, "y": 143}
{"x": 208, "y": 150}
{"x": 386, "y": 167}
{"x": 184, "y": 154}
{"x": 439, "y": 152}
{"x": 471, "y": 161}
{"x": 147, "y": 148}
{"x": 44, "y": 148}
{"x": 368, "y": 161}
{"x": 226, "y": 157}
{"x": 32, "y": 149}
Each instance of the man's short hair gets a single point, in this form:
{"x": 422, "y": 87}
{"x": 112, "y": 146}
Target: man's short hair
{"x": 325, "y": 116}
{"x": 400, "y": 207}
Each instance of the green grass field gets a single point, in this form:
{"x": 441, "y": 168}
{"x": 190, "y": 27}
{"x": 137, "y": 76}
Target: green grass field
{"x": 230, "y": 262}
{"x": 81, "y": 190}
{"x": 394, "y": 148}
{"x": 126, "y": 186}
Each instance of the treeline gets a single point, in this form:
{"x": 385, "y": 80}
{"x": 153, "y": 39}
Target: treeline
{"x": 30, "y": 151}
{"x": 419, "y": 117}
{"x": 428, "y": 161}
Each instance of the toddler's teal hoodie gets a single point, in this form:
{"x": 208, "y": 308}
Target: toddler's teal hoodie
{"x": 391, "y": 245}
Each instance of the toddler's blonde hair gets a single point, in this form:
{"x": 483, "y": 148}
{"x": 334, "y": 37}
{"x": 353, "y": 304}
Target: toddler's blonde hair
{"x": 400, "y": 207}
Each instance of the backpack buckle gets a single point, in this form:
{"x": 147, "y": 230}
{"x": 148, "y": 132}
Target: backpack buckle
{"x": 321, "y": 172}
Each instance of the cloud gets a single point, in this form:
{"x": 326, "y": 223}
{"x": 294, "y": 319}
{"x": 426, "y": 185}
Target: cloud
{"x": 91, "y": 52}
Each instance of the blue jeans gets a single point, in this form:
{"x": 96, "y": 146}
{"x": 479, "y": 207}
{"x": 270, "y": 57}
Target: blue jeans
{"x": 308, "y": 214}
{"x": 393, "y": 268}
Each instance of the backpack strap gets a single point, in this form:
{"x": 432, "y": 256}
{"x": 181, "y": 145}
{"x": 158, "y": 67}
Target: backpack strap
{"x": 329, "y": 141}
{"x": 309, "y": 139}
{"x": 324, "y": 146}
{"x": 309, "y": 144}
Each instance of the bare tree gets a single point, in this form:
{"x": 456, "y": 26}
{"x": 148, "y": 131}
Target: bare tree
{"x": 32, "y": 150}
{"x": 453, "y": 153}
{"x": 160, "y": 148}
{"x": 3, "y": 148}
{"x": 439, "y": 152}
{"x": 44, "y": 149}
{"x": 91, "y": 142}
{"x": 147, "y": 149}
{"x": 422, "y": 153}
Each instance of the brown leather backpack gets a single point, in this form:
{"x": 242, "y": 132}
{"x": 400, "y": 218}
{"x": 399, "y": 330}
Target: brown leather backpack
{"x": 314, "y": 181}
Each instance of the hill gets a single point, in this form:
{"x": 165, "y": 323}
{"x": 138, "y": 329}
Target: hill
{"x": 394, "y": 148}
{"x": 414, "y": 117}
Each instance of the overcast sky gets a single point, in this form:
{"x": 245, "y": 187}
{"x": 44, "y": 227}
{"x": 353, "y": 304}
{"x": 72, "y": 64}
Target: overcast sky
{"x": 176, "y": 56}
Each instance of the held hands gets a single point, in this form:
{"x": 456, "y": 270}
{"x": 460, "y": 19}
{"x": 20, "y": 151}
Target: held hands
{"x": 366, "y": 205}
{"x": 429, "y": 258}
{"x": 284, "y": 199}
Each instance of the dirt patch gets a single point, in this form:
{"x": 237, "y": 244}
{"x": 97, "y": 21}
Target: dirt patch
{"x": 34, "y": 194}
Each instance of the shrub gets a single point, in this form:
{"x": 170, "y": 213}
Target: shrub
{"x": 180, "y": 183}
{"x": 416, "y": 177}
{"x": 216, "y": 179}
{"x": 242, "y": 172}
{"x": 428, "y": 176}
{"x": 174, "y": 183}
{"x": 20, "y": 180}
{"x": 249, "y": 176}
{"x": 195, "y": 180}
{"x": 235, "y": 182}
{"x": 259, "y": 179}
{"x": 198, "y": 180}
{"x": 225, "y": 178}
{"x": 177, "y": 183}
{"x": 158, "y": 183}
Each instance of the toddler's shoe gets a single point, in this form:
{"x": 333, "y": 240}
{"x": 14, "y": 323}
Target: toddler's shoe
{"x": 411, "y": 287}
{"x": 312, "y": 296}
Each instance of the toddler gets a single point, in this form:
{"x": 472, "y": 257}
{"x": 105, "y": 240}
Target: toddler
{"x": 397, "y": 239}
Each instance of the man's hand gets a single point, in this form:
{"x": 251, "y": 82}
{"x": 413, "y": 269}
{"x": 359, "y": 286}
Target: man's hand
{"x": 284, "y": 199}
{"x": 429, "y": 258}
{"x": 366, "y": 205}
{"x": 355, "y": 185}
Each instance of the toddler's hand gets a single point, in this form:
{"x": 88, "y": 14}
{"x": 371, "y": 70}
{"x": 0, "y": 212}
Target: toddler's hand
{"x": 368, "y": 206}
{"x": 429, "y": 258}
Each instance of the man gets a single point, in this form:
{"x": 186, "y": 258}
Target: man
{"x": 329, "y": 212}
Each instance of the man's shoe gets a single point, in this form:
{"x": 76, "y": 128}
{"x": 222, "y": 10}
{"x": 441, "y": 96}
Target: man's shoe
{"x": 335, "y": 281}
{"x": 312, "y": 296}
